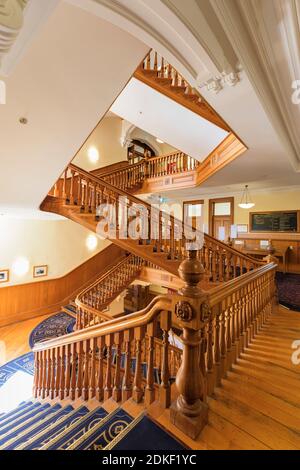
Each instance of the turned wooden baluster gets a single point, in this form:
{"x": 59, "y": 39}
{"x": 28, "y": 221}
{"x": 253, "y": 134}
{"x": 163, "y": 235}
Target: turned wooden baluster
{"x": 149, "y": 390}
{"x": 52, "y": 373}
{"x": 165, "y": 388}
{"x": 223, "y": 345}
{"x": 36, "y": 374}
{"x": 137, "y": 383}
{"x": 117, "y": 390}
{"x": 39, "y": 373}
{"x": 67, "y": 370}
{"x": 79, "y": 350}
{"x": 109, "y": 341}
{"x": 100, "y": 374}
{"x": 72, "y": 392}
{"x": 57, "y": 371}
{"x": 127, "y": 385}
{"x": 62, "y": 373}
{"x": 217, "y": 350}
{"x": 86, "y": 352}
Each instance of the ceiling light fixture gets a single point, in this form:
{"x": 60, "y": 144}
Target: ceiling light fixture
{"x": 93, "y": 154}
{"x": 159, "y": 140}
{"x": 246, "y": 201}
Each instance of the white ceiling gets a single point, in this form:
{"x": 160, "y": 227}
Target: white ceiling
{"x": 63, "y": 84}
{"x": 164, "y": 118}
{"x": 200, "y": 45}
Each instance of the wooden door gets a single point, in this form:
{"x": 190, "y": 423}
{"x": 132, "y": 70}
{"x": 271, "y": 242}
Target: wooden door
{"x": 221, "y": 217}
{"x": 193, "y": 213}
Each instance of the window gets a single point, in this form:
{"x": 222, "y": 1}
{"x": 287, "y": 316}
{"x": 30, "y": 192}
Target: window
{"x": 222, "y": 208}
{"x": 194, "y": 210}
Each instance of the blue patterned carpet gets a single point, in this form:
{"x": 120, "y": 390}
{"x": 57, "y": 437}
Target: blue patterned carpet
{"x": 147, "y": 435}
{"x": 24, "y": 363}
{"x": 58, "y": 325}
{"x": 53, "y": 327}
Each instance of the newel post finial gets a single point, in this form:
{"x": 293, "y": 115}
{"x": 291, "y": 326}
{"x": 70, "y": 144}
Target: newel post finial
{"x": 190, "y": 412}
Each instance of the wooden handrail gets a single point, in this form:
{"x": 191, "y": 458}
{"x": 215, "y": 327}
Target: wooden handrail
{"x": 212, "y": 246}
{"x": 92, "y": 300}
{"x": 216, "y": 294}
{"x": 97, "y": 362}
{"x": 133, "y": 320}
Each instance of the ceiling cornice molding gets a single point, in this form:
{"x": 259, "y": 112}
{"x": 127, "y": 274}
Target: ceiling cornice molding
{"x": 11, "y": 22}
{"x": 250, "y": 35}
{"x": 119, "y": 10}
{"x": 195, "y": 51}
{"x": 223, "y": 67}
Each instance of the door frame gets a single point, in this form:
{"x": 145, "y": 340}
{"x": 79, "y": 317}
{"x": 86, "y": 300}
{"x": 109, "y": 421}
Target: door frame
{"x": 211, "y": 203}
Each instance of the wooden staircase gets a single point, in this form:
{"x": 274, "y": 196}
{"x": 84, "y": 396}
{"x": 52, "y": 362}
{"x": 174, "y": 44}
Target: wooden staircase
{"x": 157, "y": 73}
{"x": 257, "y": 406}
{"x": 158, "y": 237}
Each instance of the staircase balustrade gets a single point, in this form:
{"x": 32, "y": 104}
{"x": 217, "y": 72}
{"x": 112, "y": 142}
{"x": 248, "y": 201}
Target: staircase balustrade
{"x": 92, "y": 301}
{"x": 130, "y": 356}
{"x": 152, "y": 227}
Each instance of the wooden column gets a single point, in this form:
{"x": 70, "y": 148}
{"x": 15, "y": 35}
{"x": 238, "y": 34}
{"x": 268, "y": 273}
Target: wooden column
{"x": 190, "y": 412}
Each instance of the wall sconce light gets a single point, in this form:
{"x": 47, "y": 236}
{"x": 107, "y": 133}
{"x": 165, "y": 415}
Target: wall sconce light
{"x": 91, "y": 242}
{"x": 93, "y": 154}
{"x": 20, "y": 266}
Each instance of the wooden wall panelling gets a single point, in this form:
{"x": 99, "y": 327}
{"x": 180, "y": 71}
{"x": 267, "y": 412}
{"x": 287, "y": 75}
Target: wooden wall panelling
{"x": 24, "y": 301}
{"x": 281, "y": 241}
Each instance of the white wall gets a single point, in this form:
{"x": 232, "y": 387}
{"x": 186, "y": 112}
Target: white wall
{"x": 106, "y": 139}
{"x": 267, "y": 200}
{"x": 60, "y": 244}
{"x": 65, "y": 82}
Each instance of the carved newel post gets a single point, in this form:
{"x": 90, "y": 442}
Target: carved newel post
{"x": 190, "y": 412}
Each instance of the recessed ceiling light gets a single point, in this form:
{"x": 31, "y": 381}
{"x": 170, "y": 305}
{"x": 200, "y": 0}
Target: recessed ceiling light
{"x": 93, "y": 154}
{"x": 159, "y": 140}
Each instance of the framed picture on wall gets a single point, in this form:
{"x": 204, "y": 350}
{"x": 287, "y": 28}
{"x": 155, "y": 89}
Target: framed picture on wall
{"x": 40, "y": 271}
{"x": 242, "y": 228}
{"x": 4, "y": 275}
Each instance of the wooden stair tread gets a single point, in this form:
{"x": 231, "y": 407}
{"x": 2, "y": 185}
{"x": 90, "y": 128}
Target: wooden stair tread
{"x": 277, "y": 390}
{"x": 261, "y": 427}
{"x": 264, "y": 402}
{"x": 272, "y": 362}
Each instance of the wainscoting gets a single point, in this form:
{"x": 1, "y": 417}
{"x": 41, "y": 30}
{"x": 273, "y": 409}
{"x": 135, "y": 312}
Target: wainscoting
{"x": 24, "y": 301}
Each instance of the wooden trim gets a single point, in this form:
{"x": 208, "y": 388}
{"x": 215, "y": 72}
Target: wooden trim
{"x": 159, "y": 304}
{"x": 205, "y": 111}
{"x": 227, "y": 151}
{"x": 274, "y": 212}
{"x": 211, "y": 211}
{"x": 24, "y": 301}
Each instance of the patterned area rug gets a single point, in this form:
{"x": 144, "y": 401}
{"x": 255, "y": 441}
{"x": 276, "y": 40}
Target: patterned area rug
{"x": 24, "y": 363}
{"x": 289, "y": 290}
{"x": 58, "y": 325}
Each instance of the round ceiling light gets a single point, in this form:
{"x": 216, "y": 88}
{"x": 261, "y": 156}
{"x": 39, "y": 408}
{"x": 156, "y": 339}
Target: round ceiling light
{"x": 93, "y": 154}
